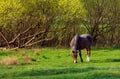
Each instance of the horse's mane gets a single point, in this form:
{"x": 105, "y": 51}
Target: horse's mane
{"x": 76, "y": 42}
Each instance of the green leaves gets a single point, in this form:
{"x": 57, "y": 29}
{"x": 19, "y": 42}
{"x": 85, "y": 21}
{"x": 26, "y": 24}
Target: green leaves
{"x": 9, "y": 12}
{"x": 71, "y": 8}
{"x": 12, "y": 10}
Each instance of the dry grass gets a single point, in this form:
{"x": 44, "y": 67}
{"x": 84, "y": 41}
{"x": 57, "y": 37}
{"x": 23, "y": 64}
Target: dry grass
{"x": 36, "y": 51}
{"x": 27, "y": 59}
{"x": 22, "y": 53}
{"x": 9, "y": 61}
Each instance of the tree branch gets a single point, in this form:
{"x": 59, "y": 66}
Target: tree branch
{"x": 33, "y": 35}
{"x": 30, "y": 44}
{"x": 5, "y": 39}
{"x": 19, "y": 35}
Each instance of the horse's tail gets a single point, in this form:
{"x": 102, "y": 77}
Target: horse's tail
{"x": 76, "y": 43}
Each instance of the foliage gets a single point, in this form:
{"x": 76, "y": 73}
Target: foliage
{"x": 10, "y": 12}
{"x": 25, "y": 23}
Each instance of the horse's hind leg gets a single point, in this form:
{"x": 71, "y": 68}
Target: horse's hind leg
{"x": 80, "y": 56}
{"x": 88, "y": 55}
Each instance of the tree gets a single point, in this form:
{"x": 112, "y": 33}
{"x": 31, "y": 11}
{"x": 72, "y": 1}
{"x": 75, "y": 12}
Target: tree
{"x": 102, "y": 17}
{"x": 39, "y": 20}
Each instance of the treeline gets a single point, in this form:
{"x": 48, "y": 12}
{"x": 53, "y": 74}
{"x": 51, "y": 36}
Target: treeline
{"x": 26, "y": 23}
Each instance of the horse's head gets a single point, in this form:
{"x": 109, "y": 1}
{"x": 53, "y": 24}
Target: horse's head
{"x": 73, "y": 45}
{"x": 74, "y": 55}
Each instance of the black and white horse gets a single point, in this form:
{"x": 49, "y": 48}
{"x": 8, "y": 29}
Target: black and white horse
{"x": 78, "y": 43}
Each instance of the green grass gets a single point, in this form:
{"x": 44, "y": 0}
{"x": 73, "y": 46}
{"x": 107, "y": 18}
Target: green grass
{"x": 56, "y": 63}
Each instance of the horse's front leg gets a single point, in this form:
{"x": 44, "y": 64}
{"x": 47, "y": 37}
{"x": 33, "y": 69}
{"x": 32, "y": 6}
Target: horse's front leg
{"x": 80, "y": 54}
{"x": 88, "y": 55}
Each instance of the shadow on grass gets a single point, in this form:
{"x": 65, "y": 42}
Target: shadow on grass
{"x": 106, "y": 49}
{"x": 57, "y": 71}
{"x": 112, "y": 60}
{"x": 105, "y": 61}
{"x": 66, "y": 73}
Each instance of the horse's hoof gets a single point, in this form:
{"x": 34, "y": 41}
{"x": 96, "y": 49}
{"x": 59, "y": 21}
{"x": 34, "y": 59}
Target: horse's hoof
{"x": 75, "y": 61}
{"x": 87, "y": 60}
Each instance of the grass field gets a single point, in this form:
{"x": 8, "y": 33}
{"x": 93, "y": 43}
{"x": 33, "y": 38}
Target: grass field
{"x": 56, "y": 63}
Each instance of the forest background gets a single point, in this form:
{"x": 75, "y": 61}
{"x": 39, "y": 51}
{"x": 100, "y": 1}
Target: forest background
{"x": 35, "y": 23}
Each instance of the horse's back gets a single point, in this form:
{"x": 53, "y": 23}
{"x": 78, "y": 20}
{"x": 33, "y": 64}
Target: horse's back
{"x": 84, "y": 41}
{"x": 87, "y": 37}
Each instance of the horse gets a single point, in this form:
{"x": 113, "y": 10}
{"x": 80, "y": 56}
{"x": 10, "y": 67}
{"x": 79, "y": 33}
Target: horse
{"x": 80, "y": 42}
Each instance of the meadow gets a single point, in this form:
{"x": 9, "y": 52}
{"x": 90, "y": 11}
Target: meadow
{"x": 56, "y": 63}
